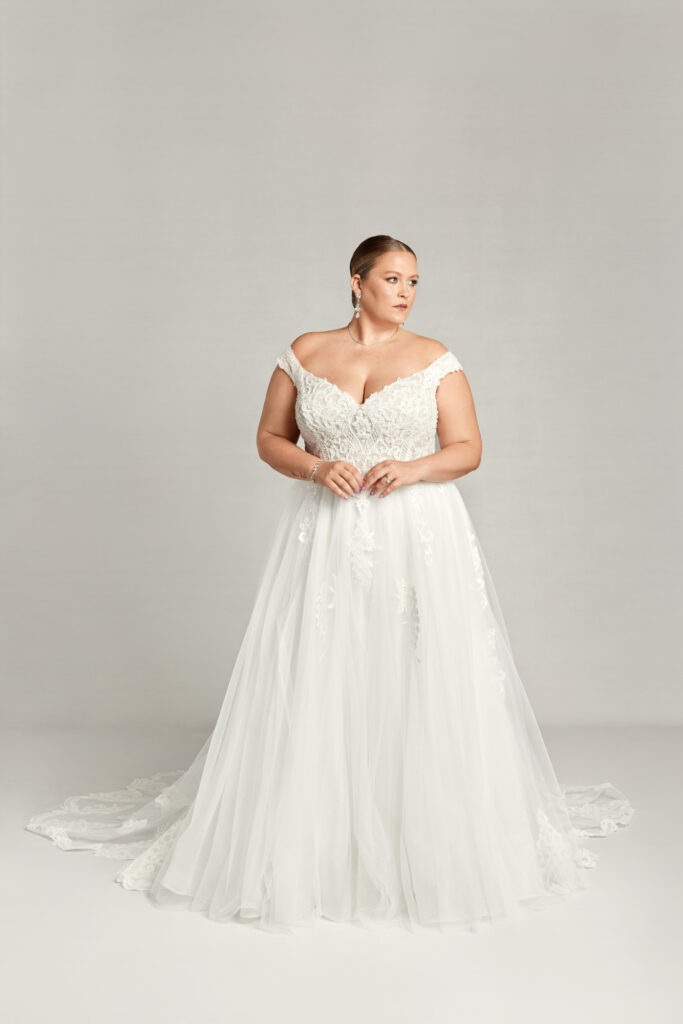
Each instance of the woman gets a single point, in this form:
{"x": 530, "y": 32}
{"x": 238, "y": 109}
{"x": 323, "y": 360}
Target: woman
{"x": 375, "y": 758}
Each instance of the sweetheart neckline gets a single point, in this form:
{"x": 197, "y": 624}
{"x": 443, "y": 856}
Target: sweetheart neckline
{"x": 391, "y": 383}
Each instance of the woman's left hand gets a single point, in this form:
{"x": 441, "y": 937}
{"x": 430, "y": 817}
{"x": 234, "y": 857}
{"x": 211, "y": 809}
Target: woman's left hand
{"x": 399, "y": 474}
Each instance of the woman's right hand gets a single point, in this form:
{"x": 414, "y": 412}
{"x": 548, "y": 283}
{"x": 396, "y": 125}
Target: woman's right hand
{"x": 341, "y": 477}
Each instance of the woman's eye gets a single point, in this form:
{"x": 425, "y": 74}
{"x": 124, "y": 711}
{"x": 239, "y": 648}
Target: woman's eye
{"x": 393, "y": 279}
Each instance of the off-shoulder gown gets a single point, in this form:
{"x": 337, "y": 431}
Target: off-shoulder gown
{"x": 375, "y": 759}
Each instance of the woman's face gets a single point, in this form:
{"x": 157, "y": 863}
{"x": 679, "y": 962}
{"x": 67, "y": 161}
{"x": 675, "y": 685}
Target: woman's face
{"x": 391, "y": 283}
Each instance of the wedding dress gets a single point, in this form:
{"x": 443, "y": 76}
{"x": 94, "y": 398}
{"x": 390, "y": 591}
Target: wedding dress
{"x": 375, "y": 758}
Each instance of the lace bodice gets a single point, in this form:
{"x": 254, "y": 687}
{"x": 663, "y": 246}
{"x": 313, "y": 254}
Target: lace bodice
{"x": 397, "y": 422}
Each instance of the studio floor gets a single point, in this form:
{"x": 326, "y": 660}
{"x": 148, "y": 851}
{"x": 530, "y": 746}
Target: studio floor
{"x": 76, "y": 947}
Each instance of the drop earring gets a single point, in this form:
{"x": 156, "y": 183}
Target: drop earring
{"x": 357, "y": 307}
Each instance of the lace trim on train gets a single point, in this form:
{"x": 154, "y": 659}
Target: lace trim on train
{"x": 64, "y": 831}
{"x": 559, "y": 859}
{"x": 594, "y": 810}
{"x": 141, "y": 873}
{"x": 597, "y": 810}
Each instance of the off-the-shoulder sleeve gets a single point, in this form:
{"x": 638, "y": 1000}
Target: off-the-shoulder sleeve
{"x": 446, "y": 363}
{"x": 285, "y": 361}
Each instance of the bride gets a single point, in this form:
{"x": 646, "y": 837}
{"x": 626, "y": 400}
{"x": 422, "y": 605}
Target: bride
{"x": 376, "y": 759}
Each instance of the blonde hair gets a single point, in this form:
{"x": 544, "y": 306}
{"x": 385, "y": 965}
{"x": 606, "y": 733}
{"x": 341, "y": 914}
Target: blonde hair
{"x": 368, "y": 252}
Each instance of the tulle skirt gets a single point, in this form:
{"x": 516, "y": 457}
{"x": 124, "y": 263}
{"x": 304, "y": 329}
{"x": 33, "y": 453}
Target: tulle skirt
{"x": 375, "y": 759}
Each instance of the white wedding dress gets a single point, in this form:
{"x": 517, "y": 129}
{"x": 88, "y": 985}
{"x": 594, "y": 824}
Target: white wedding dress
{"x": 375, "y": 758}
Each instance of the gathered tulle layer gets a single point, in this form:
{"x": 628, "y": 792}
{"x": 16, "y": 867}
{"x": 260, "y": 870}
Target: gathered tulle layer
{"x": 375, "y": 758}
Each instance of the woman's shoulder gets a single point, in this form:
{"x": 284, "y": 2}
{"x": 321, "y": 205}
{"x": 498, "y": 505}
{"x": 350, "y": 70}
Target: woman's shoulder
{"x": 429, "y": 346}
{"x": 306, "y": 343}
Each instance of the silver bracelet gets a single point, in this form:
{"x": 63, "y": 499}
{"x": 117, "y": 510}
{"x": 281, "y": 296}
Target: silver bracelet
{"x": 315, "y": 467}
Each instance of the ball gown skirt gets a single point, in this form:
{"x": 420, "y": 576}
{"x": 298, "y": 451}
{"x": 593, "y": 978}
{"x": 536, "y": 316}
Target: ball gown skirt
{"x": 375, "y": 759}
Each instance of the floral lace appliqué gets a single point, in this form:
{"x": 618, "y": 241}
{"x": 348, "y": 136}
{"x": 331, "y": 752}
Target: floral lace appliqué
{"x": 425, "y": 533}
{"x": 493, "y": 648}
{"x": 478, "y": 568}
{"x": 408, "y": 610}
{"x": 308, "y": 512}
{"x": 362, "y": 543}
{"x": 325, "y": 601}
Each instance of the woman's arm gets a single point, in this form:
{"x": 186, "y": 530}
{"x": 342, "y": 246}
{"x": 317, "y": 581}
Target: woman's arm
{"x": 277, "y": 433}
{"x": 457, "y": 430}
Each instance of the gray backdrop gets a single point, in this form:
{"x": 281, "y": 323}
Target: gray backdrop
{"x": 182, "y": 187}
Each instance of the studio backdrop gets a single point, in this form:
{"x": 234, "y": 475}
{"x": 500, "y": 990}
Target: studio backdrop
{"x": 182, "y": 188}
